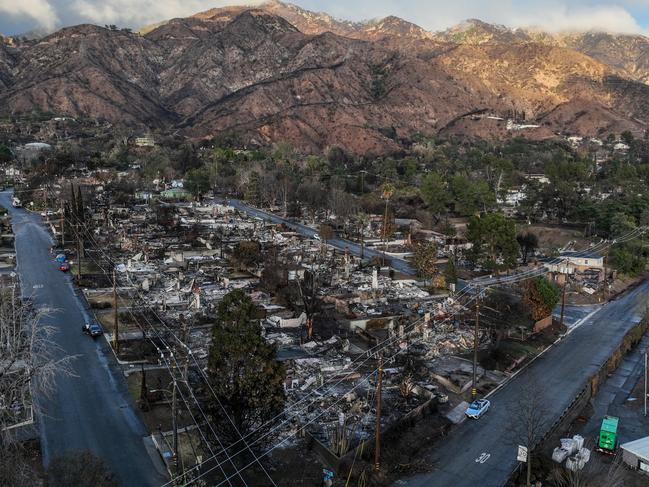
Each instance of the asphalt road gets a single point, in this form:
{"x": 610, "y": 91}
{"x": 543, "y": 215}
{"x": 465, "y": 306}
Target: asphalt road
{"x": 91, "y": 410}
{"x": 615, "y": 398}
{"x": 574, "y": 314}
{"x": 338, "y": 243}
{"x": 483, "y": 452}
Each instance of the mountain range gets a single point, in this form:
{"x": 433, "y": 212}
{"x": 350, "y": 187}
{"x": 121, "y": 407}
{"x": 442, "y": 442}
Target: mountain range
{"x": 277, "y": 72}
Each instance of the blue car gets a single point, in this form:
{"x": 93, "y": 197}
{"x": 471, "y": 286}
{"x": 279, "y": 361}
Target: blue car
{"x": 477, "y": 408}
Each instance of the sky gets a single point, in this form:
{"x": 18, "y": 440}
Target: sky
{"x": 623, "y": 16}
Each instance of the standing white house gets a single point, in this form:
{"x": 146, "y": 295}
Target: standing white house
{"x": 572, "y": 261}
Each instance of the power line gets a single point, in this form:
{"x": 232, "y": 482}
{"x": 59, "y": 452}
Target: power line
{"x": 172, "y": 374}
{"x": 466, "y": 291}
{"x": 86, "y": 232}
{"x": 519, "y": 277}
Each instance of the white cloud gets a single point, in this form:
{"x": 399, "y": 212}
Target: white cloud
{"x": 553, "y": 15}
{"x": 41, "y": 12}
{"x": 137, "y": 13}
{"x": 560, "y": 17}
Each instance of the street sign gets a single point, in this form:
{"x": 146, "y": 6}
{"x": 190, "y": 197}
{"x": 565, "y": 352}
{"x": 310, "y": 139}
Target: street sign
{"x": 522, "y": 454}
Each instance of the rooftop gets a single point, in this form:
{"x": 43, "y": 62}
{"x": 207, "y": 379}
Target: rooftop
{"x": 639, "y": 448}
{"x": 583, "y": 254}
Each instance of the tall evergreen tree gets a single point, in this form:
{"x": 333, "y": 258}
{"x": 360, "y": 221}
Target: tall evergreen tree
{"x": 242, "y": 368}
{"x": 493, "y": 236}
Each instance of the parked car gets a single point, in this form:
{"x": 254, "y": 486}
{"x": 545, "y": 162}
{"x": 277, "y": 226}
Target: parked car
{"x": 477, "y": 408}
{"x": 64, "y": 266}
{"x": 92, "y": 329}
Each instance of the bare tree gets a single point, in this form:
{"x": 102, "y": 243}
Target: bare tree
{"x": 14, "y": 469}
{"x": 308, "y": 288}
{"x": 530, "y": 420}
{"x": 82, "y": 469}
{"x": 424, "y": 259}
{"x": 30, "y": 361}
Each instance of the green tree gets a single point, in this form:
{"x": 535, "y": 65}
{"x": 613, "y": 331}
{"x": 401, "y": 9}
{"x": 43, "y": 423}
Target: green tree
{"x": 566, "y": 178}
{"x": 197, "y": 181}
{"x": 219, "y": 165}
{"x": 253, "y": 189}
{"x": 470, "y": 196}
{"x": 450, "y": 272}
{"x": 242, "y": 367}
{"x": 627, "y": 137}
{"x": 247, "y": 254}
{"x": 5, "y": 154}
{"x": 493, "y": 236}
{"x": 621, "y": 224}
{"x": 314, "y": 165}
{"x": 540, "y": 296}
{"x": 435, "y": 193}
{"x": 424, "y": 259}
{"x": 627, "y": 261}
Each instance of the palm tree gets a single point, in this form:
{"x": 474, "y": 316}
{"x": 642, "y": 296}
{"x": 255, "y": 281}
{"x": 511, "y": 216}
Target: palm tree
{"x": 362, "y": 219}
{"x": 387, "y": 192}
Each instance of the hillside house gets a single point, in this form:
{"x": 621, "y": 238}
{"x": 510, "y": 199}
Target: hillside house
{"x": 539, "y": 178}
{"x": 573, "y": 261}
{"x": 513, "y": 197}
{"x": 175, "y": 194}
{"x": 146, "y": 141}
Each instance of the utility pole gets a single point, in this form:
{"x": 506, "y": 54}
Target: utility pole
{"x": 606, "y": 285}
{"x": 645, "y": 383}
{"x": 79, "y": 256}
{"x": 377, "y": 447}
{"x": 62, "y": 225}
{"x": 174, "y": 420}
{"x": 474, "y": 386}
{"x": 285, "y": 196}
{"x": 185, "y": 333}
{"x": 115, "y": 314}
{"x": 563, "y": 300}
{"x": 385, "y": 231}
{"x": 144, "y": 404}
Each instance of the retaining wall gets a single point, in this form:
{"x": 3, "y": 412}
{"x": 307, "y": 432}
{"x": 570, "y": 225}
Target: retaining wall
{"x": 572, "y": 412}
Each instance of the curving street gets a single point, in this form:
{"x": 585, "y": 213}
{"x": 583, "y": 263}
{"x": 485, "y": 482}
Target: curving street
{"x": 559, "y": 375}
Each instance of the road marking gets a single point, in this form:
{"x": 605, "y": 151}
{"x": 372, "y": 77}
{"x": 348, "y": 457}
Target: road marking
{"x": 37, "y": 286}
{"x": 576, "y": 325}
{"x": 484, "y": 456}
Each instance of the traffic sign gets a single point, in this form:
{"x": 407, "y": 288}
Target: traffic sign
{"x": 522, "y": 454}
